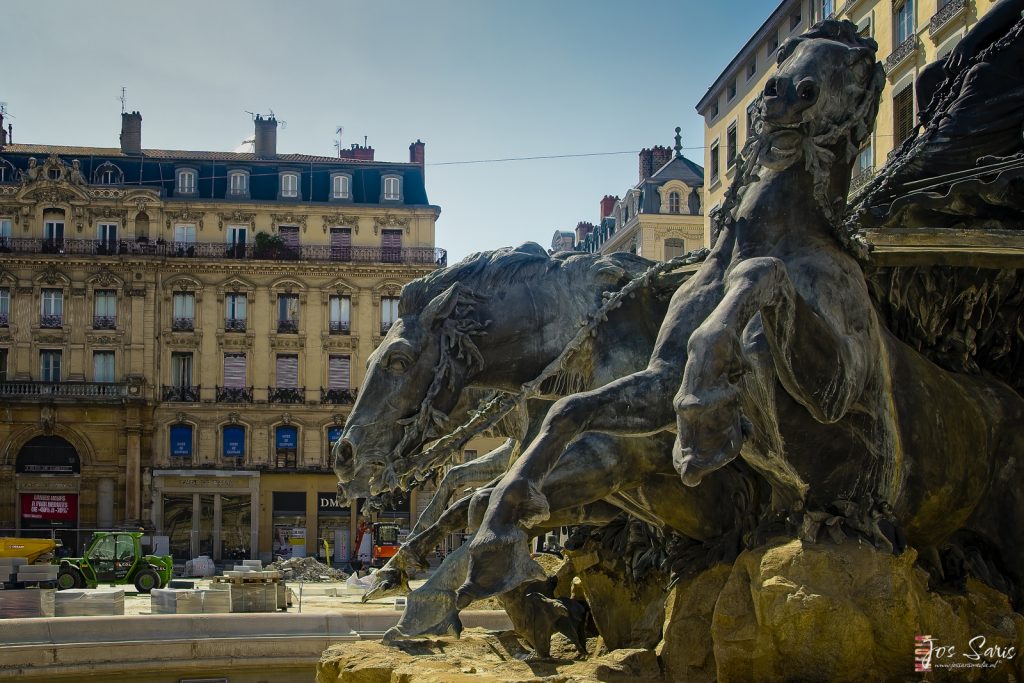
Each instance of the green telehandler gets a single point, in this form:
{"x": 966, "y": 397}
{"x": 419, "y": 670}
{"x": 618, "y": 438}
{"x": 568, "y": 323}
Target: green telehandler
{"x": 115, "y": 557}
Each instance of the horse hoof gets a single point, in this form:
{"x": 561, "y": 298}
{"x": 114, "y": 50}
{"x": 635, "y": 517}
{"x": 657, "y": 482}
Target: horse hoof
{"x": 499, "y": 561}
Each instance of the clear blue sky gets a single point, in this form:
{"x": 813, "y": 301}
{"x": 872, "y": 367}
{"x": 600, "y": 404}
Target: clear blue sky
{"x": 474, "y": 79}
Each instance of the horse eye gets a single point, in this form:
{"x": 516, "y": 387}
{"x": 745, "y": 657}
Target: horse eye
{"x": 398, "y": 363}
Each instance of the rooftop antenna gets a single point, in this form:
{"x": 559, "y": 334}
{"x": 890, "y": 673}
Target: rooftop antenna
{"x": 123, "y": 99}
{"x": 3, "y": 111}
{"x": 338, "y": 131}
{"x": 270, "y": 115}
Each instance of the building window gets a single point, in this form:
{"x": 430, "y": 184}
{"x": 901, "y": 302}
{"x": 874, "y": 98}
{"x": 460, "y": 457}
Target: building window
{"x": 388, "y": 313}
{"x": 773, "y": 43}
{"x": 181, "y": 369}
{"x": 904, "y": 21}
{"x": 52, "y": 310}
{"x": 104, "y": 314}
{"x": 751, "y": 68}
{"x": 286, "y": 442}
{"x": 673, "y": 202}
{"x": 828, "y": 8}
{"x": 103, "y": 366}
{"x": 713, "y": 112}
{"x": 106, "y": 237}
{"x": 674, "y": 247}
{"x": 288, "y": 313}
{"x": 289, "y": 185}
{"x": 795, "y": 18}
{"x": 286, "y": 371}
{"x": 236, "y": 237}
{"x": 49, "y": 366}
{"x": 184, "y": 234}
{"x": 238, "y": 183}
{"x": 340, "y": 312}
{"x": 233, "y": 440}
{"x": 53, "y": 237}
{"x": 392, "y": 188}
{"x": 5, "y": 306}
{"x": 235, "y": 312}
{"x": 7, "y": 172}
{"x": 730, "y": 146}
{"x": 865, "y": 159}
{"x": 289, "y": 234}
{"x": 184, "y": 313}
{"x": 730, "y": 92}
{"x": 903, "y": 115}
{"x": 6, "y": 234}
{"x": 339, "y": 372}
{"x": 864, "y": 29}
{"x": 340, "y": 184}
{"x": 713, "y": 166}
{"x": 341, "y": 244}
{"x": 391, "y": 244}
{"x": 3, "y": 365}
{"x": 181, "y": 441}
{"x": 234, "y": 389}
{"x": 186, "y": 181}
{"x": 108, "y": 174}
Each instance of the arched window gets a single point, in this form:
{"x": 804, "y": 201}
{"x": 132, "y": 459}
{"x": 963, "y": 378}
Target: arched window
{"x": 108, "y": 174}
{"x": 286, "y": 442}
{"x": 673, "y": 202}
{"x": 233, "y": 438}
{"x": 181, "y": 441}
{"x": 7, "y": 172}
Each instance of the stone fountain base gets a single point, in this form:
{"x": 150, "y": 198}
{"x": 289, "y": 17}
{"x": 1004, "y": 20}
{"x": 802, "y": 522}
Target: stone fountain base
{"x": 788, "y": 611}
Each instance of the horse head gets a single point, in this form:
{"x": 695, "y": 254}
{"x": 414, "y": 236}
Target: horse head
{"x": 413, "y": 379}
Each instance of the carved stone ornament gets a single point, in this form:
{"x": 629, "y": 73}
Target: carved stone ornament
{"x": 51, "y": 276}
{"x": 179, "y": 417}
{"x": 337, "y": 419}
{"x": 47, "y": 419}
{"x": 106, "y": 193}
{"x": 286, "y": 419}
{"x": 390, "y": 220}
{"x": 186, "y": 215}
{"x": 279, "y": 219}
{"x": 139, "y": 292}
{"x": 104, "y": 278}
{"x": 51, "y": 196}
{"x": 233, "y": 418}
{"x": 108, "y": 213}
{"x": 341, "y": 220}
{"x": 15, "y": 211}
{"x": 105, "y": 340}
{"x": 78, "y": 291}
{"x": 236, "y": 217}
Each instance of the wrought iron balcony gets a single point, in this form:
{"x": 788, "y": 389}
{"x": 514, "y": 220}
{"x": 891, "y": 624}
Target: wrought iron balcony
{"x": 219, "y": 250}
{"x": 234, "y": 324}
{"x": 385, "y": 326}
{"x": 288, "y": 326}
{"x": 104, "y": 322}
{"x": 234, "y": 394}
{"x": 862, "y": 178}
{"x": 340, "y": 327}
{"x": 51, "y": 322}
{"x": 182, "y": 393}
{"x": 183, "y": 324}
{"x": 286, "y": 394}
{"x": 3, "y": 320}
{"x": 70, "y": 390}
{"x": 951, "y": 9}
{"x": 338, "y": 397}
{"x": 901, "y": 52}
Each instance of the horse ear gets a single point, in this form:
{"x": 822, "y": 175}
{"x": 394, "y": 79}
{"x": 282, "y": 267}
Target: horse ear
{"x": 441, "y": 306}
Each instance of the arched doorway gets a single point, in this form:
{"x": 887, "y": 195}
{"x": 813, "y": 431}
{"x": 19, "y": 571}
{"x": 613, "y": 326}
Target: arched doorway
{"x": 48, "y": 469}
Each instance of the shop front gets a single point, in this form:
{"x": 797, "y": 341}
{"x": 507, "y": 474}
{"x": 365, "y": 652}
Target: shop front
{"x": 293, "y": 515}
{"x": 48, "y": 480}
{"x": 334, "y": 527}
{"x": 213, "y": 513}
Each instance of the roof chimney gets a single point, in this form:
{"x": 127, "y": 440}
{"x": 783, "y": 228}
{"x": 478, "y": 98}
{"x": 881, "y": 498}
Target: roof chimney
{"x": 417, "y": 153}
{"x": 358, "y": 152}
{"x": 646, "y": 161}
{"x": 607, "y": 206}
{"x": 266, "y": 137}
{"x": 131, "y": 132}
{"x": 3, "y": 133}
{"x": 582, "y": 230}
{"x": 660, "y": 156}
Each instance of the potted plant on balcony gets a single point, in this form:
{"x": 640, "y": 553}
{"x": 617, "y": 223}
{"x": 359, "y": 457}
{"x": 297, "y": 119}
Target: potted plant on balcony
{"x": 269, "y": 246}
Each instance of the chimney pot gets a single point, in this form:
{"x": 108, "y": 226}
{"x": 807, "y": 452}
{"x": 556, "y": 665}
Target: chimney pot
{"x": 583, "y": 228}
{"x": 266, "y": 137}
{"x": 131, "y": 133}
{"x": 607, "y": 205}
{"x": 417, "y": 153}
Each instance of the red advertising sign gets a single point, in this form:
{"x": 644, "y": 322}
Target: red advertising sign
{"x": 50, "y": 507}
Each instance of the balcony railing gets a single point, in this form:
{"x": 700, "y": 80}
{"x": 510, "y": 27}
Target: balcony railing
{"x": 901, "y": 52}
{"x": 234, "y": 324}
{"x": 286, "y": 394}
{"x": 220, "y": 250}
{"x": 951, "y": 9}
{"x": 51, "y": 322}
{"x": 73, "y": 390}
{"x": 338, "y": 397}
{"x": 234, "y": 394}
{"x": 288, "y": 326}
{"x": 340, "y": 327}
{"x": 183, "y": 324}
{"x": 385, "y": 326}
{"x": 862, "y": 178}
{"x": 183, "y": 393}
{"x": 104, "y": 322}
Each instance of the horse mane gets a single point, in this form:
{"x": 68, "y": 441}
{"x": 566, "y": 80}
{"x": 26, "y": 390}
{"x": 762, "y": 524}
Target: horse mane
{"x": 489, "y": 271}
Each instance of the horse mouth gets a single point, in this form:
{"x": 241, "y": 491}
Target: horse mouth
{"x": 783, "y": 144}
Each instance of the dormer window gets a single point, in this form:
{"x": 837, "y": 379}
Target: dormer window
{"x": 238, "y": 183}
{"x": 392, "y": 188}
{"x": 108, "y": 174}
{"x": 340, "y": 186}
{"x": 186, "y": 181}
{"x": 7, "y": 172}
{"x": 673, "y": 202}
{"x": 289, "y": 184}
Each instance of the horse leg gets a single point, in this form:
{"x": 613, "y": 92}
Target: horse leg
{"x": 824, "y": 364}
{"x": 635, "y": 404}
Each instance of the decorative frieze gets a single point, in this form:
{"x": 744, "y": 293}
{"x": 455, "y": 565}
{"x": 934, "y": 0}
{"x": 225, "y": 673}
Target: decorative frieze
{"x": 340, "y": 220}
{"x": 236, "y": 217}
{"x": 279, "y": 219}
{"x": 186, "y": 215}
{"x": 390, "y": 220}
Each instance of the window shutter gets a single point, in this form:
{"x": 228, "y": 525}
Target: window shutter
{"x": 903, "y": 114}
{"x": 234, "y": 370}
{"x": 290, "y": 235}
{"x": 338, "y": 372}
{"x": 287, "y": 371}
{"x": 392, "y": 239}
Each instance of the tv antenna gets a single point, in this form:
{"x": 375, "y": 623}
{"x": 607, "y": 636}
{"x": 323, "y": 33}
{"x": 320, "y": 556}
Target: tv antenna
{"x": 269, "y": 115}
{"x": 337, "y": 142}
{"x": 123, "y": 99}
{"x": 3, "y": 111}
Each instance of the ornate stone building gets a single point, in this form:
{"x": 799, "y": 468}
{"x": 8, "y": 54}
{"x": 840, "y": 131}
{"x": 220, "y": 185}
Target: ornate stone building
{"x": 910, "y": 34}
{"x": 658, "y": 218}
{"x": 182, "y": 334}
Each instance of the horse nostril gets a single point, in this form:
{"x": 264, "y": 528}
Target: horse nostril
{"x": 771, "y": 88}
{"x": 807, "y": 90}
{"x": 343, "y": 452}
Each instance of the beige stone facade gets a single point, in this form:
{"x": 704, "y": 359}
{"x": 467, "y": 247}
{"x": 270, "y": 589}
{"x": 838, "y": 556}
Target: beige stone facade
{"x": 173, "y": 343}
{"x": 910, "y": 34}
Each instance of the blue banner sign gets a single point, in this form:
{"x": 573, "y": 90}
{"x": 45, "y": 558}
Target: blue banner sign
{"x": 287, "y": 438}
{"x": 234, "y": 442}
{"x": 181, "y": 441}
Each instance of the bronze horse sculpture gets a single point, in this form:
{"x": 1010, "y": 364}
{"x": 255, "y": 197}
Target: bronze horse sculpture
{"x": 783, "y": 360}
